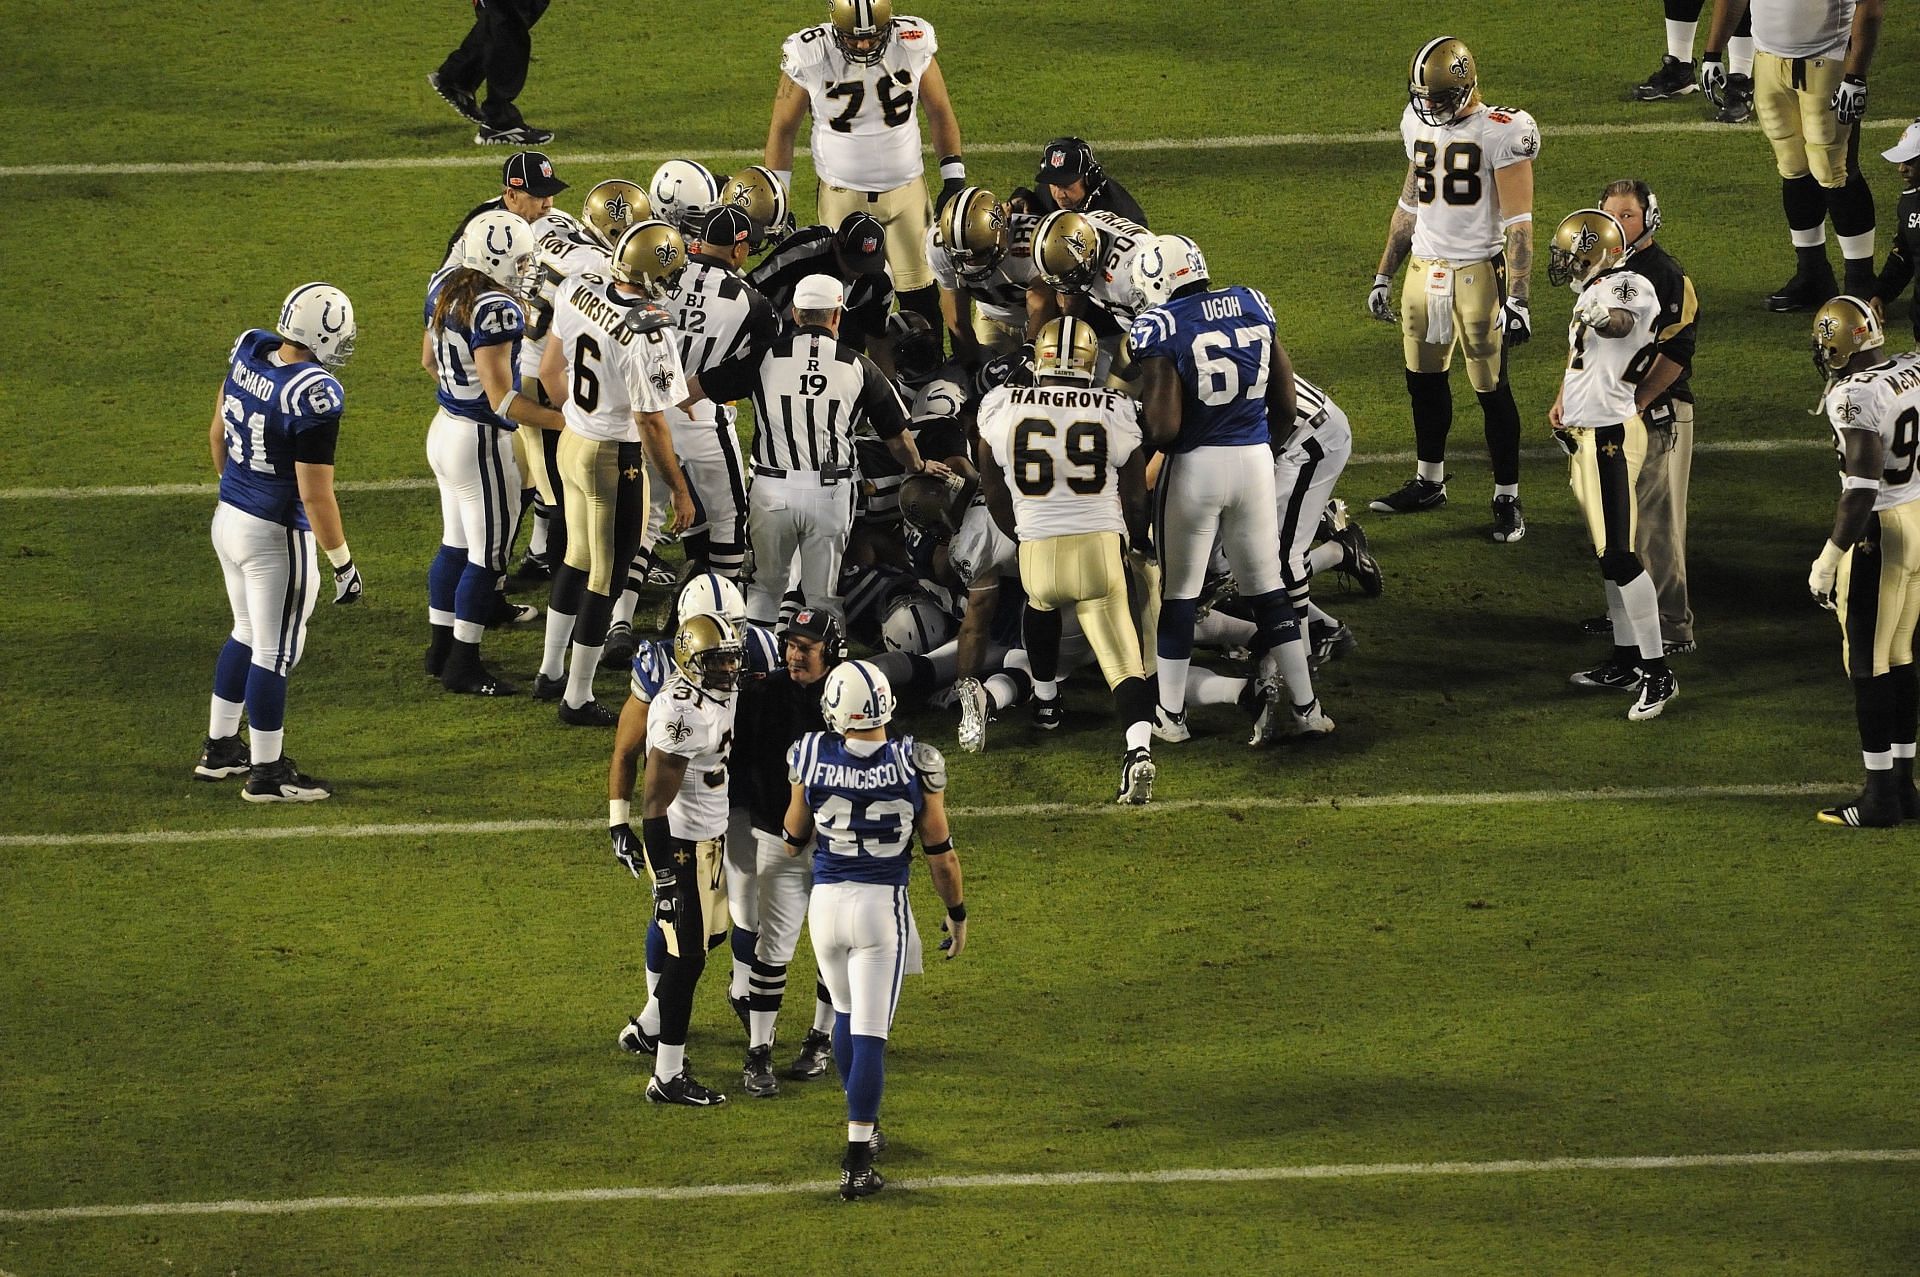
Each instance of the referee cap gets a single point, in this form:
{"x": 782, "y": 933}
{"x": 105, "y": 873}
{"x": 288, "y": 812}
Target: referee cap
{"x": 532, "y": 172}
{"x": 1907, "y": 149}
{"x": 819, "y": 292}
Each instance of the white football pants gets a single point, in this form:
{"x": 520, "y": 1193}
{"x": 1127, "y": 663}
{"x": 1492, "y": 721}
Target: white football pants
{"x": 860, "y": 939}
{"x": 479, "y": 487}
{"x": 273, "y": 581}
{"x": 797, "y": 515}
{"x": 1303, "y": 479}
{"x": 1225, "y": 493}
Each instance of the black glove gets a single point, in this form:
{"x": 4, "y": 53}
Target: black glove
{"x": 347, "y": 586}
{"x": 627, "y": 849}
{"x": 948, "y": 189}
{"x": 1022, "y": 373}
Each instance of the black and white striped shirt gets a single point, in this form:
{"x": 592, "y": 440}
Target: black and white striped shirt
{"x": 809, "y": 251}
{"x": 809, "y": 394}
{"x": 718, "y": 315}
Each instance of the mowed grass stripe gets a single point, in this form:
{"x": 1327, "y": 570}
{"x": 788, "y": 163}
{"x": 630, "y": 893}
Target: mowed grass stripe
{"x": 403, "y": 829}
{"x": 1057, "y": 1179}
{"x": 419, "y": 484}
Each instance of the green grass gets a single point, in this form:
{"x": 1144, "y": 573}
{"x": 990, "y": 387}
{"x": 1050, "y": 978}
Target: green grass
{"x": 262, "y": 1017}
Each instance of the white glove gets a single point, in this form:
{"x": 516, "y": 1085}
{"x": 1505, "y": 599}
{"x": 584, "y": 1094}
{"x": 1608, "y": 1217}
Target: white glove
{"x": 1849, "y": 101}
{"x": 1519, "y": 323}
{"x": 1826, "y": 571}
{"x": 347, "y": 586}
{"x": 1380, "y": 299}
{"x": 1713, "y": 78}
{"x": 956, "y": 937}
{"x": 1592, "y": 309}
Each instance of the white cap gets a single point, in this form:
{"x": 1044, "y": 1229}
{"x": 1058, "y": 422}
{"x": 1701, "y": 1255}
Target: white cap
{"x": 1907, "y": 148}
{"x": 819, "y": 292}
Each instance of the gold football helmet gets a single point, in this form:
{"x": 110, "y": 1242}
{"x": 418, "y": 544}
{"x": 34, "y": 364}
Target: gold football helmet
{"x": 1066, "y": 348}
{"x": 862, "y": 28}
{"x": 1442, "y": 80}
{"x": 757, "y": 193}
{"x": 612, "y": 207}
{"x": 1842, "y": 329}
{"x": 708, "y": 652}
{"x": 1586, "y": 243}
{"x": 973, "y": 230}
{"x": 650, "y": 256}
{"x": 1066, "y": 251}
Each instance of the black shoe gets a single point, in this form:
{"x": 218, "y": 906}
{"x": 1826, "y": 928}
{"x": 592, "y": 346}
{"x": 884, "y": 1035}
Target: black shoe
{"x": 1803, "y": 292}
{"x": 1509, "y": 524}
{"x": 1597, "y": 627}
{"x": 478, "y": 681}
{"x": 756, "y": 1075}
{"x": 1736, "y": 101}
{"x": 743, "y": 1007}
{"x": 507, "y": 612}
{"x": 1048, "y": 715}
{"x": 222, "y": 757}
{"x": 1877, "y": 807}
{"x": 637, "y": 1041}
{"x": 682, "y": 1089}
{"x": 1412, "y": 497}
{"x": 861, "y": 1183}
{"x": 621, "y": 645}
{"x": 459, "y": 99}
{"x": 534, "y": 567}
{"x": 1674, "y": 79}
{"x": 1328, "y": 642}
{"x": 816, "y": 1052}
{"x": 281, "y": 782}
{"x": 1609, "y": 676}
{"x": 877, "y": 1142}
{"x": 592, "y": 714}
{"x": 518, "y": 135}
{"x": 1657, "y": 687}
{"x": 1356, "y": 563}
{"x": 548, "y": 689}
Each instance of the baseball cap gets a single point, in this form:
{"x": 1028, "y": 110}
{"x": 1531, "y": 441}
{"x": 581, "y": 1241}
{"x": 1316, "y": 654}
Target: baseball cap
{"x": 817, "y": 624}
{"x": 532, "y": 172}
{"x": 862, "y": 242}
{"x": 726, "y": 226}
{"x": 1064, "y": 161}
{"x": 819, "y": 292}
{"x": 1907, "y": 148}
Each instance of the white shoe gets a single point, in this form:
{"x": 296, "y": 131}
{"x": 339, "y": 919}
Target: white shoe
{"x": 1312, "y": 721}
{"x": 972, "y": 699}
{"x": 1169, "y": 726}
{"x": 1137, "y": 774}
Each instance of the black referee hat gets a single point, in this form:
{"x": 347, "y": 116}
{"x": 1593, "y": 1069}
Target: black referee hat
{"x": 862, "y": 242}
{"x": 725, "y": 227}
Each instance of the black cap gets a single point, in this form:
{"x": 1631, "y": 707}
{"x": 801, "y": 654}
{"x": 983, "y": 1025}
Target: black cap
{"x": 817, "y": 624}
{"x": 725, "y": 227}
{"x": 862, "y": 242}
{"x": 1065, "y": 161}
{"x": 532, "y": 172}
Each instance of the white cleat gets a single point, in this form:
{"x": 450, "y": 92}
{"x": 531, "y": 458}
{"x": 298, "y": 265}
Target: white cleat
{"x": 1137, "y": 774}
{"x": 972, "y": 699}
{"x": 1311, "y": 722}
{"x": 1266, "y": 724}
{"x": 1169, "y": 726}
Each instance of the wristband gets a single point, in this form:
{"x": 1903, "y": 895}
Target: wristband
{"x": 957, "y": 913}
{"x": 506, "y": 401}
{"x": 951, "y": 167}
{"x": 1831, "y": 555}
{"x": 340, "y": 556}
{"x": 1406, "y": 208}
{"x": 939, "y": 848}
{"x": 1516, "y": 219}
{"x": 619, "y": 812}
{"x": 1380, "y": 280}
{"x": 1853, "y": 481}
{"x": 786, "y": 178}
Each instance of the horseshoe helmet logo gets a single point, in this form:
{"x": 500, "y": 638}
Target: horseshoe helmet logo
{"x": 499, "y": 250}
{"x": 327, "y": 323}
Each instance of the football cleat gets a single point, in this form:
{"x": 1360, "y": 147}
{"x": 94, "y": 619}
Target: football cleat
{"x": 1136, "y": 779}
{"x": 506, "y": 612}
{"x": 548, "y": 689}
{"x": 1412, "y": 497}
{"x": 534, "y": 567}
{"x": 972, "y": 699}
{"x": 281, "y": 782}
{"x": 877, "y": 1142}
{"x": 1673, "y": 79}
{"x": 1609, "y": 676}
{"x": 661, "y": 574}
{"x": 1877, "y": 807}
{"x": 1266, "y": 718}
{"x": 1169, "y": 726}
{"x": 1310, "y": 722}
{"x": 592, "y": 714}
{"x": 1048, "y": 715}
{"x": 816, "y": 1053}
{"x": 620, "y": 647}
{"x": 222, "y": 757}
{"x": 1216, "y": 592}
{"x": 480, "y": 681}
{"x": 1656, "y": 689}
{"x": 1803, "y": 292}
{"x": 1736, "y": 106}
{"x": 857, "y": 1184}
{"x": 1356, "y": 563}
{"x": 1681, "y": 647}
{"x": 682, "y": 1089}
{"x": 637, "y": 1041}
{"x": 1597, "y": 626}
{"x": 756, "y": 1075}
{"x": 518, "y": 135}
{"x": 1329, "y": 642}
{"x": 459, "y": 99}
{"x": 1333, "y": 520}
{"x": 1509, "y": 524}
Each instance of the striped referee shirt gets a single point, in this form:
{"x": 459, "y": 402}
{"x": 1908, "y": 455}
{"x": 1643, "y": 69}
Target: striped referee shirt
{"x": 809, "y": 251}
{"x": 718, "y": 315}
{"x": 809, "y": 394}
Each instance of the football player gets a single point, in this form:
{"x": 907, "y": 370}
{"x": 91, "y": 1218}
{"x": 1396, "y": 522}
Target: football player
{"x": 981, "y": 254}
{"x": 1064, "y": 471}
{"x": 858, "y": 798}
{"x": 1466, "y": 217}
{"x": 683, "y": 194}
{"x": 1084, "y": 262}
{"x": 1611, "y": 343}
{"x": 1217, "y": 389}
{"x": 474, "y": 324}
{"x": 276, "y": 422}
{"x": 1869, "y": 569}
{"x": 759, "y": 194}
{"x": 682, "y": 844}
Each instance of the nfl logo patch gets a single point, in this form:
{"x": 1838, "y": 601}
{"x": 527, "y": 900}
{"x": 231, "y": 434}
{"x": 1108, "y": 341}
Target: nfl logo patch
{"x": 869, "y": 245}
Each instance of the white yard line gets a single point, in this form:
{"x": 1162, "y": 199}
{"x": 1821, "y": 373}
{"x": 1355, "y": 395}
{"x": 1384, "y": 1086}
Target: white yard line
{"x": 1058, "y": 1179}
{"x": 489, "y": 158}
{"x": 1520, "y": 797}
{"x": 420, "y": 484}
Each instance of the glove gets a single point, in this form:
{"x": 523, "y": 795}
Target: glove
{"x": 1592, "y": 309}
{"x": 627, "y": 849}
{"x": 956, "y": 933}
{"x": 948, "y": 189}
{"x": 1850, "y": 99}
{"x": 1519, "y": 322}
{"x": 1713, "y": 77}
{"x": 1825, "y": 573}
{"x": 347, "y": 586}
{"x": 1380, "y": 299}
{"x": 1566, "y": 441}
{"x": 666, "y": 901}
{"x": 1022, "y": 373}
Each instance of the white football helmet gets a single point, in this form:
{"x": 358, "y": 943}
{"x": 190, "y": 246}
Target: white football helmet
{"x": 855, "y": 695}
{"x": 1163, "y": 267}
{"x": 711, "y": 592}
{"x": 501, "y": 246}
{"x": 683, "y": 194}
{"x": 916, "y": 625}
{"x": 319, "y": 317}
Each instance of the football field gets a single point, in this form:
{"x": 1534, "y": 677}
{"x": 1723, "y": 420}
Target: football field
{"x": 1493, "y": 981}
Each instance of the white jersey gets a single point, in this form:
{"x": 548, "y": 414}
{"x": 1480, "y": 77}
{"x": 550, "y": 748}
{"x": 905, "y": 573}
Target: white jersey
{"x": 1602, "y": 371}
{"x": 566, "y": 252}
{"x": 866, "y": 125}
{"x": 1002, "y": 295}
{"x": 1801, "y": 28}
{"x": 1120, "y": 241}
{"x": 697, "y": 726}
{"x": 980, "y": 552}
{"x": 614, "y": 371}
{"x": 1886, "y": 400}
{"x": 1061, "y": 448}
{"x": 1459, "y": 214}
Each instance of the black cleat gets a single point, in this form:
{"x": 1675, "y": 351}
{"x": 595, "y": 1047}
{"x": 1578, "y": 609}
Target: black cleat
{"x": 281, "y": 782}
{"x": 1877, "y": 807}
{"x": 621, "y": 645}
{"x": 1736, "y": 101}
{"x": 507, "y": 612}
{"x": 1597, "y": 626}
{"x": 682, "y": 1089}
{"x": 861, "y": 1183}
{"x": 592, "y": 714}
{"x": 222, "y": 757}
{"x": 1609, "y": 676}
{"x": 637, "y": 1041}
{"x": 756, "y": 1075}
{"x": 1328, "y": 642}
{"x": 1509, "y": 524}
{"x": 518, "y": 135}
{"x": 1137, "y": 774}
{"x": 459, "y": 99}
{"x": 1657, "y": 687}
{"x": 1048, "y": 715}
{"x": 1673, "y": 79}
{"x": 816, "y": 1053}
{"x": 548, "y": 689}
{"x": 479, "y": 681}
{"x": 1803, "y": 292}
{"x": 1412, "y": 497}
{"x": 1356, "y": 563}
{"x": 877, "y": 1142}
{"x": 534, "y": 567}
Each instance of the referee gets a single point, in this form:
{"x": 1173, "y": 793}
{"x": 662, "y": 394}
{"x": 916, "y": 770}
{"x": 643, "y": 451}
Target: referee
{"x": 855, "y": 253}
{"x": 810, "y": 394}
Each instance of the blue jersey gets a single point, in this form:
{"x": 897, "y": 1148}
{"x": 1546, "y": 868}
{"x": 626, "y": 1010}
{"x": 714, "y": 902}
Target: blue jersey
{"x": 864, "y": 806}
{"x": 1222, "y": 344}
{"x": 653, "y": 661}
{"x": 496, "y": 320}
{"x": 266, "y": 408}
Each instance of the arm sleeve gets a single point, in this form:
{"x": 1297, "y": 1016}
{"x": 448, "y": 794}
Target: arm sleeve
{"x": 878, "y": 401}
{"x": 315, "y": 439}
{"x": 732, "y": 379}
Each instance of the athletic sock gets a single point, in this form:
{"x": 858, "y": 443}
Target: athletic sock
{"x": 1325, "y": 557}
{"x": 670, "y": 1062}
{"x": 553, "y": 654}
{"x": 1740, "y": 52}
{"x": 580, "y": 674}
{"x": 1680, "y": 39}
{"x": 1642, "y": 604}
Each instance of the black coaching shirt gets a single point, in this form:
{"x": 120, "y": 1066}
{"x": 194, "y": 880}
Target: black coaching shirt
{"x": 809, "y": 394}
{"x": 1675, "y": 327}
{"x": 1901, "y": 257}
{"x": 809, "y": 251}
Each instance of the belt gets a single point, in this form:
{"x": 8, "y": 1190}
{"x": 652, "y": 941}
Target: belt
{"x": 821, "y": 477}
{"x": 872, "y": 197}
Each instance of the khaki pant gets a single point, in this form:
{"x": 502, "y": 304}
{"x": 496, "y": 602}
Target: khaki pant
{"x": 1479, "y": 289}
{"x": 1877, "y": 594}
{"x": 995, "y": 337}
{"x": 1661, "y": 503}
{"x": 1087, "y": 572}
{"x": 905, "y": 213}
{"x": 1604, "y": 472}
{"x": 606, "y": 506}
{"x": 709, "y": 870}
{"x": 1793, "y": 97}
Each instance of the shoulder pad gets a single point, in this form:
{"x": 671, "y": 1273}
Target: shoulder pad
{"x": 645, "y": 317}
{"x": 931, "y": 764}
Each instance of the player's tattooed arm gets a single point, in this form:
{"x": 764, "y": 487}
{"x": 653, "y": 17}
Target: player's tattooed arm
{"x": 1400, "y": 229}
{"x": 789, "y": 108}
{"x": 1519, "y": 250}
{"x": 1514, "y": 185}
